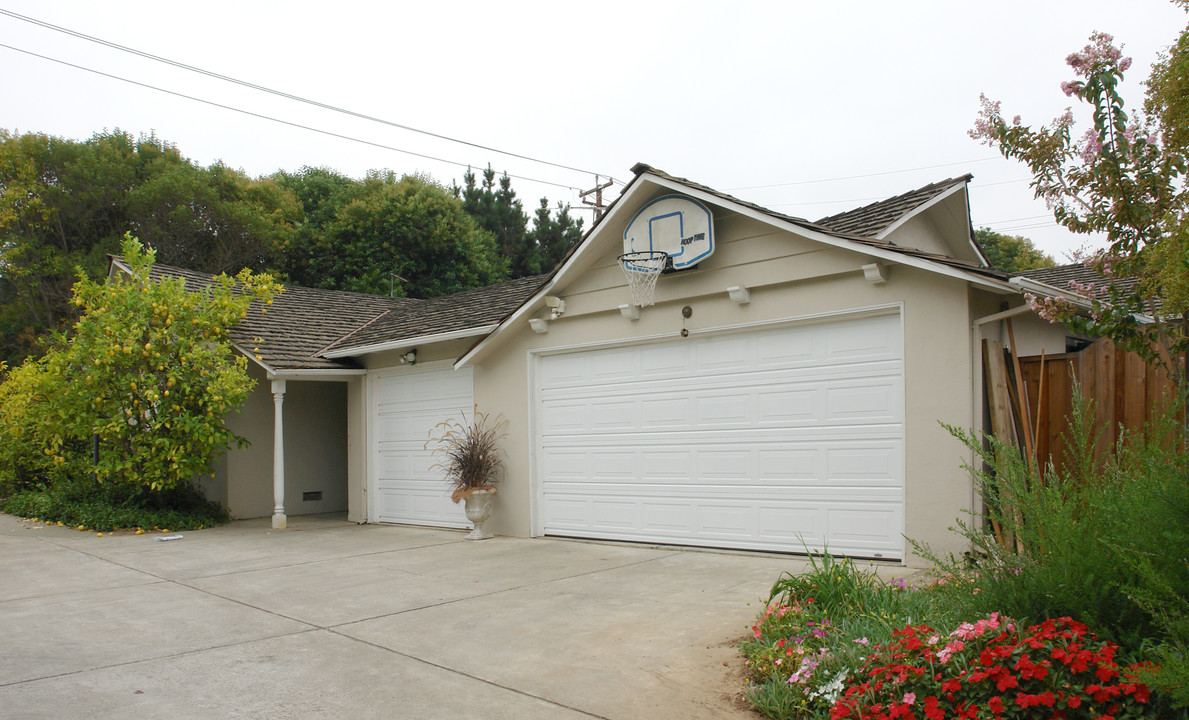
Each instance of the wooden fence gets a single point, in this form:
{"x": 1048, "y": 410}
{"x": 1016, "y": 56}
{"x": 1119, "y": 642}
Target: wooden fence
{"x": 1126, "y": 391}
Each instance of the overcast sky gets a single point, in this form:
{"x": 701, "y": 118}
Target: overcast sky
{"x": 831, "y": 105}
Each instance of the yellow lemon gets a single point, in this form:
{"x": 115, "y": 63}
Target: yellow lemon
{"x": 98, "y": 534}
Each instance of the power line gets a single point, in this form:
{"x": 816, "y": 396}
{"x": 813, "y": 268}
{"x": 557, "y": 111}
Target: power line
{"x": 274, "y": 119}
{"x": 855, "y": 177}
{"x": 279, "y": 93}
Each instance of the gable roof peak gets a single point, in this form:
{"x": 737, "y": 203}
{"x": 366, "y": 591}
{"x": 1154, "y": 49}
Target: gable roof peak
{"x": 871, "y": 220}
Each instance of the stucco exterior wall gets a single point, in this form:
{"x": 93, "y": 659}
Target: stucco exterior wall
{"x": 791, "y": 279}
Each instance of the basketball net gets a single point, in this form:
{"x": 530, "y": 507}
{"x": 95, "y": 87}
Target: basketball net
{"x": 642, "y": 269}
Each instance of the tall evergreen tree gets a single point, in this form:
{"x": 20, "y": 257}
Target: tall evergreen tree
{"x": 498, "y": 211}
{"x": 553, "y": 237}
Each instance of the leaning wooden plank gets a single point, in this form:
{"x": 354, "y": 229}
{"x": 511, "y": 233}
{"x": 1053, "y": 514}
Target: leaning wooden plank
{"x": 1022, "y": 399}
{"x": 1002, "y": 424}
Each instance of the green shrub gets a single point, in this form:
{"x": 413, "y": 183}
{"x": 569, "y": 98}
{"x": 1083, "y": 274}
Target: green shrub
{"x": 106, "y": 507}
{"x": 1106, "y": 546}
{"x": 148, "y": 368}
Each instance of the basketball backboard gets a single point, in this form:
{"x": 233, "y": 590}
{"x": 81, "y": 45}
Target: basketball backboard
{"x": 675, "y": 224}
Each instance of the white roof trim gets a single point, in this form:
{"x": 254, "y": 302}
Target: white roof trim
{"x": 342, "y": 374}
{"x": 918, "y": 210}
{"x": 409, "y": 342}
{"x": 843, "y": 243}
{"x": 1036, "y": 286}
{"x": 633, "y": 188}
{"x": 252, "y": 356}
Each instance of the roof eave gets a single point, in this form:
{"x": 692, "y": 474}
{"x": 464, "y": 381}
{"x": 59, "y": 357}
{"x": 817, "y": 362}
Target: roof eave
{"x": 408, "y": 342}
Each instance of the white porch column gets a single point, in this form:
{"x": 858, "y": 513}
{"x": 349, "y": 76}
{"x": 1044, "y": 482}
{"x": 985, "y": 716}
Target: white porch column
{"x": 278, "y": 456}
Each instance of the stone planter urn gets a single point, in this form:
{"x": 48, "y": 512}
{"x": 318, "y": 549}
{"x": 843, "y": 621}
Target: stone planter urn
{"x": 478, "y": 509}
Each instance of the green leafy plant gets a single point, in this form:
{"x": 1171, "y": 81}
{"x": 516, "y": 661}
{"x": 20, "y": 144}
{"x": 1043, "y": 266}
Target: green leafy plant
{"x": 148, "y": 370}
{"x": 470, "y": 454}
{"x": 80, "y": 502}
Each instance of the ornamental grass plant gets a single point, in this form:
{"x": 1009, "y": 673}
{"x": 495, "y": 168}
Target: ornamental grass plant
{"x": 470, "y": 457}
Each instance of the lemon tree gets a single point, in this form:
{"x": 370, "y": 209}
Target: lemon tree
{"x": 148, "y": 369}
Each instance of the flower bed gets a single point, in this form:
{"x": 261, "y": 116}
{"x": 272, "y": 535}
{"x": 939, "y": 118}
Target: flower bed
{"x": 840, "y": 643}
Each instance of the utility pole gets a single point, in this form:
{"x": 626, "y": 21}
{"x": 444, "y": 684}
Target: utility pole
{"x": 597, "y": 190}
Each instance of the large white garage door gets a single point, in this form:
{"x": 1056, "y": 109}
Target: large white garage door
{"x": 770, "y": 440}
{"x": 406, "y": 404}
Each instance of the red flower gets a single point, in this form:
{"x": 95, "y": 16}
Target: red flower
{"x": 996, "y": 705}
{"x": 932, "y": 709}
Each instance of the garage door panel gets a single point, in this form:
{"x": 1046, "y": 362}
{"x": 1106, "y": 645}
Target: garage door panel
{"x": 748, "y": 440}
{"x": 407, "y": 406}
{"x": 777, "y": 401}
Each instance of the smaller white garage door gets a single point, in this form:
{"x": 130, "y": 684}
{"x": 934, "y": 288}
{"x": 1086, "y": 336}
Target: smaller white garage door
{"x": 761, "y": 440}
{"x": 406, "y": 404}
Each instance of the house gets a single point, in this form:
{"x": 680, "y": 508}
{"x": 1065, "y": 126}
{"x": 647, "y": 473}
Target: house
{"x": 786, "y": 389}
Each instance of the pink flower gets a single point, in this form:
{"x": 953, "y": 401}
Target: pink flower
{"x": 909, "y": 698}
{"x": 862, "y": 641}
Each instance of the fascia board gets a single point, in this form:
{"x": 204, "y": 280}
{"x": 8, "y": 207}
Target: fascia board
{"x": 843, "y": 243}
{"x": 115, "y": 263}
{"x": 315, "y": 374}
{"x": 407, "y": 342}
{"x": 1037, "y": 287}
{"x": 252, "y": 357}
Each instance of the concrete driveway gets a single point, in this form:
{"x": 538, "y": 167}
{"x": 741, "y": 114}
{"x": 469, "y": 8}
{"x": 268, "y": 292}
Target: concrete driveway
{"x": 336, "y": 620}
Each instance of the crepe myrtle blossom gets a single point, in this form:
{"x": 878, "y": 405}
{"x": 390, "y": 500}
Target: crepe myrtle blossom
{"x": 1049, "y": 308}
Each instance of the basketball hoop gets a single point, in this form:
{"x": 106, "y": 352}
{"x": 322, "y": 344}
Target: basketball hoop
{"x": 642, "y": 269}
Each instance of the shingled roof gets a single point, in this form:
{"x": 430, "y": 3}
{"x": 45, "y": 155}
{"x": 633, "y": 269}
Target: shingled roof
{"x": 871, "y": 220}
{"x": 304, "y": 323}
{"x": 1062, "y": 277}
{"x": 300, "y": 322}
{"x": 449, "y": 313}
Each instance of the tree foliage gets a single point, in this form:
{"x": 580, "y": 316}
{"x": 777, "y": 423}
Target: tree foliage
{"x": 1124, "y": 178}
{"x": 552, "y": 237}
{"x": 65, "y": 204}
{"x": 1011, "y": 253}
{"x": 360, "y": 234}
{"x": 148, "y": 369}
{"x": 498, "y": 210}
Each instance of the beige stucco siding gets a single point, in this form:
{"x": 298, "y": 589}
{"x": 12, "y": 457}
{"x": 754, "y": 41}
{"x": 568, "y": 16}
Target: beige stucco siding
{"x": 315, "y": 421}
{"x": 791, "y": 279}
